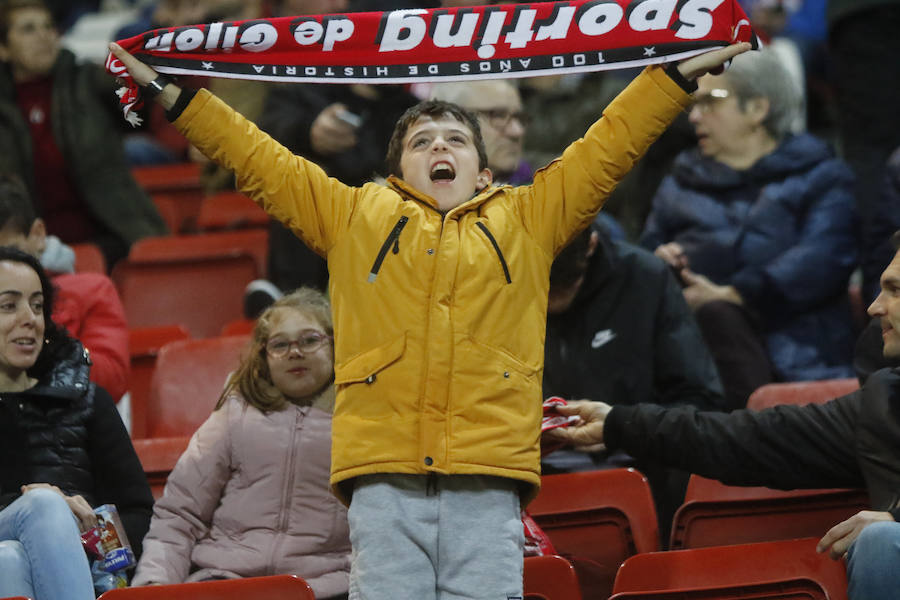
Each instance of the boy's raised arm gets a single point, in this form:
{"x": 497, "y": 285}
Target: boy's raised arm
{"x": 291, "y": 189}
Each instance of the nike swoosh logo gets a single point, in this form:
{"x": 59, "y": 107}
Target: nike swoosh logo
{"x": 602, "y": 337}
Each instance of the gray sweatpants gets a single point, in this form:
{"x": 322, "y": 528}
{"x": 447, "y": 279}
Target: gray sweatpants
{"x": 440, "y": 537}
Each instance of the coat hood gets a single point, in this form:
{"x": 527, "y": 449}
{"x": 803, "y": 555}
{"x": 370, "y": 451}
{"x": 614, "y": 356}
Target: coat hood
{"x": 69, "y": 378}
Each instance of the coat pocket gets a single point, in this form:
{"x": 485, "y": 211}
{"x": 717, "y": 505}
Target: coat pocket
{"x": 364, "y": 367}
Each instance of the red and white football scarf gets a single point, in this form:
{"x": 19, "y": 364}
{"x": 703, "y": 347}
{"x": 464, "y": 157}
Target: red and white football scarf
{"x": 400, "y": 46}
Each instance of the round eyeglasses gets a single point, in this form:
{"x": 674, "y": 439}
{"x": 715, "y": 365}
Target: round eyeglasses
{"x": 307, "y": 343}
{"x": 705, "y": 102}
{"x": 499, "y": 118}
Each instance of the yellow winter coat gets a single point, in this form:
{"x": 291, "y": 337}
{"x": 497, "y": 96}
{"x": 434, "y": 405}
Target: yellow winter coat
{"x": 439, "y": 318}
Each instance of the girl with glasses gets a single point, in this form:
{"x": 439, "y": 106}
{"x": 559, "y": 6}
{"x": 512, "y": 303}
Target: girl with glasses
{"x": 250, "y": 495}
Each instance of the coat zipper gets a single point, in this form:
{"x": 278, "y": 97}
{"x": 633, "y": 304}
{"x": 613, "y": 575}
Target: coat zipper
{"x": 392, "y": 238}
{"x": 286, "y": 493}
{"x": 490, "y": 237}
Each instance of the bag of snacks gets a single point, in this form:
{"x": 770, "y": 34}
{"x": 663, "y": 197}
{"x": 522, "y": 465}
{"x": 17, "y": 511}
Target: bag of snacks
{"x": 107, "y": 544}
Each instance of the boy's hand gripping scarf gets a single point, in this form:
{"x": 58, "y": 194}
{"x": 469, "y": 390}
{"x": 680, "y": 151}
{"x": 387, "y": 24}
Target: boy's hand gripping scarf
{"x": 401, "y": 46}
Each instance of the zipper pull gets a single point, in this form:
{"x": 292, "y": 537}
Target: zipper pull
{"x": 397, "y": 245}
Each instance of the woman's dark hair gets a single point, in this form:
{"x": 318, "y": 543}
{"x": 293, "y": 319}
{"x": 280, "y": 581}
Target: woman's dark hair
{"x": 56, "y": 340}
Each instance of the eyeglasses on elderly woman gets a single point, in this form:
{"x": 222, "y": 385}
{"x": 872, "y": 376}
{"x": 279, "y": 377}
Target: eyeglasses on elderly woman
{"x": 705, "y": 101}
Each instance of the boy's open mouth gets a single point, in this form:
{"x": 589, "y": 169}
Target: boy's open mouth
{"x": 442, "y": 171}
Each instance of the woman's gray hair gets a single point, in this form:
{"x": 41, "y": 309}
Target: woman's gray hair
{"x": 760, "y": 74}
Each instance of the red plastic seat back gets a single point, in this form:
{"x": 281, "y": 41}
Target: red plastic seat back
{"x": 202, "y": 294}
{"x": 597, "y": 519}
{"x": 800, "y": 392}
{"x": 230, "y": 210}
{"x": 144, "y": 345}
{"x": 254, "y": 241}
{"x": 782, "y": 569}
{"x": 176, "y": 190}
{"x": 158, "y": 457}
{"x": 550, "y": 577}
{"x": 239, "y": 327}
{"x": 276, "y": 587}
{"x": 89, "y": 258}
{"x": 187, "y": 383}
{"x": 715, "y": 514}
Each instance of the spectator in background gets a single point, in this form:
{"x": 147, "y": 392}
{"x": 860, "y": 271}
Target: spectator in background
{"x": 87, "y": 304}
{"x": 63, "y": 448}
{"x": 59, "y": 132}
{"x": 250, "y": 495}
{"x": 761, "y": 226}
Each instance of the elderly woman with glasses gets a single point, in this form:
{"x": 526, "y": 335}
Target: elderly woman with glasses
{"x": 250, "y": 495}
{"x": 759, "y": 222}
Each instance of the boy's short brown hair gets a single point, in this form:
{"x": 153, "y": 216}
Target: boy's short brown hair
{"x": 434, "y": 109}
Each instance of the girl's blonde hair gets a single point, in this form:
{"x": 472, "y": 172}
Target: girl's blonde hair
{"x": 252, "y": 378}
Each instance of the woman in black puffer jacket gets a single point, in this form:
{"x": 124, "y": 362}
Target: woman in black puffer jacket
{"x": 63, "y": 447}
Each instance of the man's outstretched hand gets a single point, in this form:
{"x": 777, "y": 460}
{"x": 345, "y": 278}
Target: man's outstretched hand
{"x": 588, "y": 431}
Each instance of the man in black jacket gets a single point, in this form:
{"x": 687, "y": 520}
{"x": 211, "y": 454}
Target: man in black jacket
{"x": 852, "y": 441}
{"x": 620, "y": 332}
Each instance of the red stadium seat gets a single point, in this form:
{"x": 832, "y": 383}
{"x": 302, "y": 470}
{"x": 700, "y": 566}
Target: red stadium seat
{"x": 200, "y": 293}
{"x": 800, "y": 392}
{"x": 176, "y": 190}
{"x": 158, "y": 457}
{"x": 239, "y": 327}
{"x": 550, "y": 578}
{"x": 144, "y": 345}
{"x": 715, "y": 514}
{"x": 230, "y": 210}
{"x": 276, "y": 587}
{"x": 254, "y": 242}
{"x": 597, "y": 519}
{"x": 787, "y": 569}
{"x": 172, "y": 177}
{"x": 187, "y": 383}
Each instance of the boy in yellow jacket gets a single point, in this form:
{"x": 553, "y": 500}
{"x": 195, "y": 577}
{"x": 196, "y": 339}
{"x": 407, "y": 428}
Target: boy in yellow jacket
{"x": 439, "y": 284}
